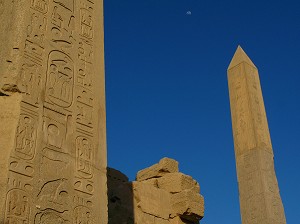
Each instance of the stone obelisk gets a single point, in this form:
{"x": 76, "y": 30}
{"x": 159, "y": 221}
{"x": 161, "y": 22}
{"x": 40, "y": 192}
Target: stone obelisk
{"x": 260, "y": 201}
{"x": 52, "y": 112}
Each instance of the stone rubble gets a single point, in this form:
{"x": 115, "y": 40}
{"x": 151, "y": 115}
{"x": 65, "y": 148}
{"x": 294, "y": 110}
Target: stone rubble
{"x": 160, "y": 195}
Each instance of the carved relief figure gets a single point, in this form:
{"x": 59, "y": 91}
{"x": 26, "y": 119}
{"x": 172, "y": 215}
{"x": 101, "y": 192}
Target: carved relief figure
{"x": 82, "y": 215}
{"x": 30, "y": 81}
{"x": 84, "y": 115}
{"x": 62, "y": 25}
{"x": 84, "y": 157}
{"x": 50, "y": 216}
{"x": 84, "y": 74}
{"x": 85, "y": 51}
{"x": 40, "y": 5}
{"x": 53, "y": 191}
{"x": 17, "y": 207}
{"x": 67, "y": 4}
{"x": 53, "y": 164}
{"x": 86, "y": 20}
{"x": 54, "y": 137}
{"x": 26, "y": 137}
{"x": 59, "y": 87}
{"x": 36, "y": 29}
{"x": 84, "y": 186}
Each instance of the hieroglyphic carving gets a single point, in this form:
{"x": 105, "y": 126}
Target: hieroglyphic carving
{"x": 40, "y": 5}
{"x": 85, "y": 51}
{"x": 54, "y": 156}
{"x": 36, "y": 29}
{"x": 84, "y": 116}
{"x": 54, "y": 191}
{"x": 31, "y": 82}
{"x": 84, "y": 157}
{"x": 62, "y": 24}
{"x": 59, "y": 87}
{"x": 20, "y": 167}
{"x": 241, "y": 116}
{"x": 18, "y": 206}
{"x": 84, "y": 186}
{"x": 54, "y": 128}
{"x": 257, "y": 108}
{"x": 258, "y": 188}
{"x": 86, "y": 20}
{"x": 50, "y": 216}
{"x": 26, "y": 137}
{"x": 85, "y": 72}
{"x": 83, "y": 215}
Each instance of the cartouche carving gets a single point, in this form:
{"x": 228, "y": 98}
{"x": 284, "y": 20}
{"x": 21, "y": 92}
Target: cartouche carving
{"x": 57, "y": 154}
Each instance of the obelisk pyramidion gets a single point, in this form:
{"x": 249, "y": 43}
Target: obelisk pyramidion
{"x": 260, "y": 201}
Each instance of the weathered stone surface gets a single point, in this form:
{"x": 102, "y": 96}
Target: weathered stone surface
{"x": 178, "y": 220}
{"x": 164, "y": 166}
{"x": 177, "y": 182}
{"x": 260, "y": 200}
{"x": 120, "y": 198}
{"x": 116, "y": 176}
{"x": 141, "y": 217}
{"x": 53, "y": 163}
{"x": 161, "y": 221}
{"x": 151, "y": 200}
{"x": 188, "y": 205}
{"x": 9, "y": 118}
{"x": 152, "y": 181}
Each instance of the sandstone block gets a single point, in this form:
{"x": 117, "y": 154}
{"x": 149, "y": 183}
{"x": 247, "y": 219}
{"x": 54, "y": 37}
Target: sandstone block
{"x": 165, "y": 165}
{"x": 177, "y": 182}
{"x": 153, "y": 182}
{"x": 143, "y": 218}
{"x": 188, "y": 205}
{"x": 178, "y": 220}
{"x": 161, "y": 221}
{"x": 151, "y": 200}
{"x": 52, "y": 117}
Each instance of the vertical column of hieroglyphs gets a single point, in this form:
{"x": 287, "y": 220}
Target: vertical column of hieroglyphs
{"x": 22, "y": 72}
{"x": 53, "y": 169}
{"x": 260, "y": 200}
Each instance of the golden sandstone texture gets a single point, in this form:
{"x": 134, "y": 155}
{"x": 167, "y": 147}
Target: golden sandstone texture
{"x": 160, "y": 195}
{"x": 260, "y": 200}
{"x": 52, "y": 116}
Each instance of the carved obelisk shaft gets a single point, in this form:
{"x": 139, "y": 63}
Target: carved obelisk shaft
{"x": 260, "y": 201}
{"x": 52, "y": 112}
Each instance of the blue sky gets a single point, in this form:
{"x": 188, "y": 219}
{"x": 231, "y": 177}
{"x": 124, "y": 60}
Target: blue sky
{"x": 167, "y": 94}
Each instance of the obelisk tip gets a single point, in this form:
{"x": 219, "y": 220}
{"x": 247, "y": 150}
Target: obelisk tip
{"x": 239, "y": 57}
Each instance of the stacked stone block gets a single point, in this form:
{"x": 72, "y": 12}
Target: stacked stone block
{"x": 160, "y": 195}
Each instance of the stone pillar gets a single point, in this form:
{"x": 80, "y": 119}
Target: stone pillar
{"x": 52, "y": 132}
{"x": 260, "y": 201}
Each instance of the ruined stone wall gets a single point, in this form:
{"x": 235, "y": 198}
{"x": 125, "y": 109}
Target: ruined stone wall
{"x": 52, "y": 132}
{"x": 160, "y": 195}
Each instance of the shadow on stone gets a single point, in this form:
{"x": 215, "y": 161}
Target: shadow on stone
{"x": 159, "y": 195}
{"x": 120, "y": 198}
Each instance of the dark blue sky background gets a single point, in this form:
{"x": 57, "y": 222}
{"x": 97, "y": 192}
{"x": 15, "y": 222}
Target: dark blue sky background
{"x": 167, "y": 94}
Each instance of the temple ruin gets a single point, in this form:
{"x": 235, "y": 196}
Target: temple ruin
{"x": 53, "y": 164}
